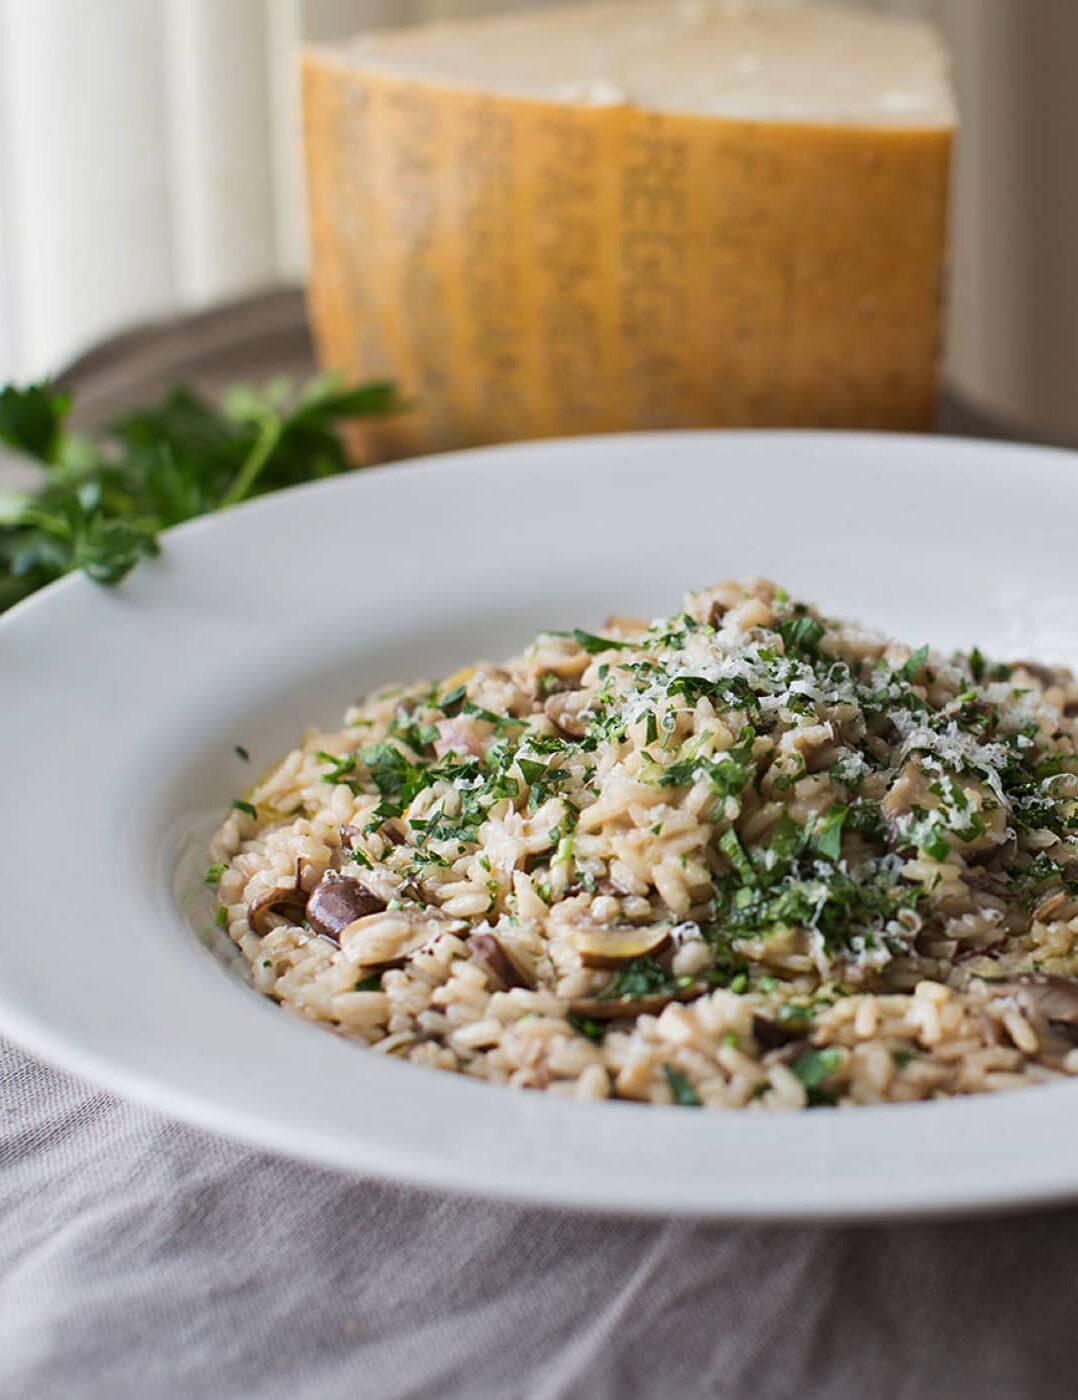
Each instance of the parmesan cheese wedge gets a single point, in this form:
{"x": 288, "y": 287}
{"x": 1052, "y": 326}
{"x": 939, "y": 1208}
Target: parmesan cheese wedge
{"x": 632, "y": 215}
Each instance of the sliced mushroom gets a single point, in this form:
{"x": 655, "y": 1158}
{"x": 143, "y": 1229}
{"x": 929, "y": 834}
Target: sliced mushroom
{"x": 389, "y": 938}
{"x": 290, "y": 904}
{"x": 394, "y": 831}
{"x": 610, "y": 947}
{"x": 337, "y": 901}
{"x": 770, "y": 1035}
{"x": 488, "y": 953}
{"x": 1054, "y": 998}
{"x": 350, "y": 836}
{"x": 607, "y": 1009}
{"x": 792, "y": 1050}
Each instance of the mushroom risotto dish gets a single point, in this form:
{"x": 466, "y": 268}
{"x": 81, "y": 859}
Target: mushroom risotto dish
{"x": 745, "y": 856}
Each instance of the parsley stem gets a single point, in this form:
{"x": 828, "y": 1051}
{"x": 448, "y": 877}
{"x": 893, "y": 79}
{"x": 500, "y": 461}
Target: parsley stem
{"x": 269, "y": 435}
{"x": 41, "y": 520}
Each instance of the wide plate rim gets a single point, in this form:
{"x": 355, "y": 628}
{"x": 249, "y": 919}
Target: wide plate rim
{"x": 1040, "y": 1184}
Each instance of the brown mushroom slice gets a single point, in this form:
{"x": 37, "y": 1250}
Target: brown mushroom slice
{"x": 337, "y": 901}
{"x": 350, "y": 836}
{"x": 605, "y": 885}
{"x": 772, "y": 1035}
{"x": 1053, "y": 998}
{"x": 792, "y": 1050}
{"x": 488, "y": 953}
{"x": 610, "y": 947}
{"x": 394, "y": 831}
{"x": 391, "y": 937}
{"x": 614, "y": 1009}
{"x": 290, "y": 904}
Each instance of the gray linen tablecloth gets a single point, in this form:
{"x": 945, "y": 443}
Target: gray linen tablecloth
{"x": 140, "y": 1258}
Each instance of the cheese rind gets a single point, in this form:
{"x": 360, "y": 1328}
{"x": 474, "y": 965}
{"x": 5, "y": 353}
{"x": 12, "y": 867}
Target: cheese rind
{"x": 529, "y": 266}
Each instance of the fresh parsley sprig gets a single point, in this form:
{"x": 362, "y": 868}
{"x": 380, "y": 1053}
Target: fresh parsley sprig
{"x": 102, "y": 500}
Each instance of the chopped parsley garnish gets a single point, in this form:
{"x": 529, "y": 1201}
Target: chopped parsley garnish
{"x": 976, "y": 664}
{"x": 913, "y": 665}
{"x": 588, "y": 1026}
{"x": 396, "y": 778}
{"x": 593, "y": 644}
{"x": 101, "y": 502}
{"x": 532, "y": 769}
{"x": 680, "y": 1087}
{"x": 640, "y": 977}
{"x": 247, "y": 807}
{"x": 731, "y": 847}
{"x": 241, "y": 752}
{"x": 499, "y": 721}
{"x": 813, "y": 1068}
{"x": 727, "y": 775}
{"x": 214, "y": 873}
{"x": 373, "y": 983}
{"x": 339, "y": 768}
{"x": 452, "y": 700}
{"x": 801, "y": 635}
{"x": 827, "y": 835}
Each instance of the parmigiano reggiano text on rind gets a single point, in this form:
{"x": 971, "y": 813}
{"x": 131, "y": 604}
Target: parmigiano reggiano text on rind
{"x": 526, "y": 265}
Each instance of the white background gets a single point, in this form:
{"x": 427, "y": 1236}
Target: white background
{"x": 149, "y": 157}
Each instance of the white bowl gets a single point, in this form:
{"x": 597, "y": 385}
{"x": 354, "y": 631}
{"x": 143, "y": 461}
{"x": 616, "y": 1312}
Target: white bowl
{"x": 119, "y": 711}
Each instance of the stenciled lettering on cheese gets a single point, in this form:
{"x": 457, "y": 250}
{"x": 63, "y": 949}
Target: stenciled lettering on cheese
{"x": 737, "y": 217}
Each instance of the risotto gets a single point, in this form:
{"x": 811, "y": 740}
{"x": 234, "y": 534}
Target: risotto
{"x": 747, "y": 856}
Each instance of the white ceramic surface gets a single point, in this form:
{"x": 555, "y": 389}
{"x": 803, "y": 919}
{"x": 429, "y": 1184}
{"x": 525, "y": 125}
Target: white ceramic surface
{"x": 119, "y": 711}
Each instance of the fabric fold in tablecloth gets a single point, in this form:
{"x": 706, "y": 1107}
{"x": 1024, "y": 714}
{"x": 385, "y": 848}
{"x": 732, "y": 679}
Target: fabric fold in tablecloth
{"x": 140, "y": 1258}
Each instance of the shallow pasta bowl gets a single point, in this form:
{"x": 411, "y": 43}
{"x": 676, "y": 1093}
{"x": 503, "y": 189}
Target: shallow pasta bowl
{"x": 119, "y": 713}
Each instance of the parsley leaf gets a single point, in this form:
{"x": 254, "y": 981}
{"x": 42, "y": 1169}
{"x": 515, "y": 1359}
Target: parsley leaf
{"x": 593, "y": 644}
{"x": 813, "y": 1068}
{"x": 102, "y": 501}
{"x": 396, "y": 779}
{"x": 731, "y": 847}
{"x": 594, "y": 1030}
{"x": 827, "y": 837}
{"x": 32, "y": 419}
{"x": 801, "y": 635}
{"x": 912, "y": 666}
{"x": 680, "y": 1087}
